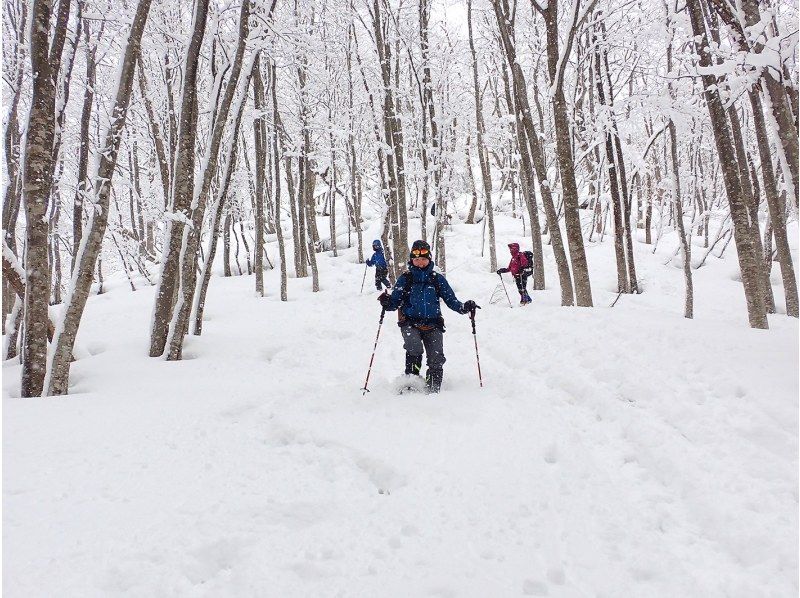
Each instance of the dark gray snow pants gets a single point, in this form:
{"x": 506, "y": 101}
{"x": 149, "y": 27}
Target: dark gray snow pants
{"x": 432, "y": 341}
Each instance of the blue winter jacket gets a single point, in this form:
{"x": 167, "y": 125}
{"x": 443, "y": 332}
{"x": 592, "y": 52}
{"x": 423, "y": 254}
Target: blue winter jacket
{"x": 377, "y": 259}
{"x": 421, "y": 305}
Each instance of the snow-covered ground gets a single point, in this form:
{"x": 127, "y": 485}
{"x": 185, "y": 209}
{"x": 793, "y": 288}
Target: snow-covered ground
{"x": 612, "y": 452}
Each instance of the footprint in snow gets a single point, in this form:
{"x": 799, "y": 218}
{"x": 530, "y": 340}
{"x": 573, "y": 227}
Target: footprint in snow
{"x": 269, "y": 353}
{"x": 556, "y": 576}
{"x": 532, "y": 587}
{"x": 551, "y": 454}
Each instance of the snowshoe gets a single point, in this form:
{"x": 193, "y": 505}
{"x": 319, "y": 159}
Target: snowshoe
{"x": 409, "y": 383}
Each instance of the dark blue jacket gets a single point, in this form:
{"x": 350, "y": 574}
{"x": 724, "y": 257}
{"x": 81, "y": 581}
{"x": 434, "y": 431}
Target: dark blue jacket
{"x": 377, "y": 259}
{"x": 421, "y": 303}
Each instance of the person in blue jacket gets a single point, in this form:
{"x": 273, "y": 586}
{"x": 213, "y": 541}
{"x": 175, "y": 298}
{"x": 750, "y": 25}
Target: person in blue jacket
{"x": 416, "y": 294}
{"x": 381, "y": 269}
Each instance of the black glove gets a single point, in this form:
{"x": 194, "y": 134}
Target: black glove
{"x": 385, "y": 299}
{"x": 470, "y": 306}
{"x": 502, "y": 270}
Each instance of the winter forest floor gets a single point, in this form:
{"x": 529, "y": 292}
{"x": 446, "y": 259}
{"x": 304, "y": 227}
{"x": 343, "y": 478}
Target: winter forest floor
{"x": 612, "y": 452}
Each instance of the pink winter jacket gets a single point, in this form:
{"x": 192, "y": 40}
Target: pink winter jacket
{"x": 518, "y": 259}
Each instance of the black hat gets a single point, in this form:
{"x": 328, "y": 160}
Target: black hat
{"x": 420, "y": 248}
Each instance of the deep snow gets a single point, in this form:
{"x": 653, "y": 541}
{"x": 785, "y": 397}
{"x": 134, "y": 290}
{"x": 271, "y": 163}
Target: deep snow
{"x": 612, "y": 452}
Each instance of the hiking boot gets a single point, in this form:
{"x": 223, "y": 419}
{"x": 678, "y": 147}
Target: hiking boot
{"x": 413, "y": 364}
{"x": 433, "y": 381}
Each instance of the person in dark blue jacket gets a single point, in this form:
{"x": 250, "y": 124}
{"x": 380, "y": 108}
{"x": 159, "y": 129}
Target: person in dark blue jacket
{"x": 381, "y": 269}
{"x": 416, "y": 294}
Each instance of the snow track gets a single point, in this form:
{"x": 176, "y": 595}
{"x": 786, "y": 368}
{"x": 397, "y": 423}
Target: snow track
{"x": 612, "y": 452}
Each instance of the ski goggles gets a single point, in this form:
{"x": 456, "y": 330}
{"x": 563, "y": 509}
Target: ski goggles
{"x": 421, "y": 253}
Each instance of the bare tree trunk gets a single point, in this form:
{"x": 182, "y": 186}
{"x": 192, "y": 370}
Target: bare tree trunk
{"x": 132, "y": 199}
{"x": 298, "y": 261}
{"x": 82, "y": 189}
{"x": 298, "y": 231}
{"x": 473, "y": 190}
{"x": 351, "y": 150}
{"x": 205, "y": 278}
{"x": 398, "y": 145}
{"x": 332, "y": 190}
{"x": 569, "y": 188}
{"x": 623, "y": 285}
{"x": 430, "y": 161}
{"x": 155, "y": 132}
{"x": 100, "y": 280}
{"x": 277, "y": 187}
{"x": 260, "y": 134}
{"x": 648, "y": 214}
{"x": 306, "y": 209}
{"x": 393, "y": 157}
{"x": 623, "y": 180}
{"x": 172, "y": 121}
{"x": 752, "y": 207}
{"x": 742, "y": 231}
{"x": 239, "y": 79}
{"x": 56, "y": 250}
{"x": 527, "y": 135}
{"x": 80, "y": 286}
{"x": 13, "y": 191}
{"x": 382, "y": 168}
{"x": 226, "y": 245}
{"x": 182, "y": 190}
{"x": 529, "y": 194}
{"x": 38, "y": 177}
{"x": 688, "y": 308}
{"x": 777, "y": 217}
{"x": 246, "y": 248}
{"x": 238, "y": 246}
{"x": 309, "y": 183}
{"x": 144, "y": 251}
{"x": 12, "y": 328}
{"x": 483, "y": 157}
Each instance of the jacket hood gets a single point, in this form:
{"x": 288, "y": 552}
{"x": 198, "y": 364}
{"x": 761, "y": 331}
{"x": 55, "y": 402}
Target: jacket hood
{"x": 514, "y": 247}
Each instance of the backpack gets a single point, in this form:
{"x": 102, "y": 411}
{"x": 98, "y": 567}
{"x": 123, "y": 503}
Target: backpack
{"x": 528, "y": 268}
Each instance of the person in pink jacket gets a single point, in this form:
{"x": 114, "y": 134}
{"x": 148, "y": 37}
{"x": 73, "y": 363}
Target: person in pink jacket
{"x": 520, "y": 268}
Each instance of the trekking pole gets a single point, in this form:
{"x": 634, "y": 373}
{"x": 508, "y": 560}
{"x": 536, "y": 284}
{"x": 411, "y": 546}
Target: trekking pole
{"x": 475, "y": 338}
{"x": 363, "y": 279}
{"x": 369, "y": 370}
{"x": 504, "y": 288}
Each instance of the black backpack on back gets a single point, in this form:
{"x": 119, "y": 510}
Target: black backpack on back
{"x": 529, "y": 256}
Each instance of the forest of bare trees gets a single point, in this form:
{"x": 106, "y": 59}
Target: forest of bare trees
{"x": 141, "y": 134}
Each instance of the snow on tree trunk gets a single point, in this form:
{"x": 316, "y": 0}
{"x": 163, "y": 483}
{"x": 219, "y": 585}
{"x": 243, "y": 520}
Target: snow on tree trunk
{"x": 528, "y": 135}
{"x": 81, "y": 282}
{"x": 745, "y": 247}
{"x": 182, "y": 192}
{"x": 483, "y": 159}
{"x": 37, "y": 181}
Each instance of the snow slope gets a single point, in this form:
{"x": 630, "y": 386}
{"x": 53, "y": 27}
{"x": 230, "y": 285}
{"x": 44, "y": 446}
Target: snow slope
{"x": 612, "y": 452}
